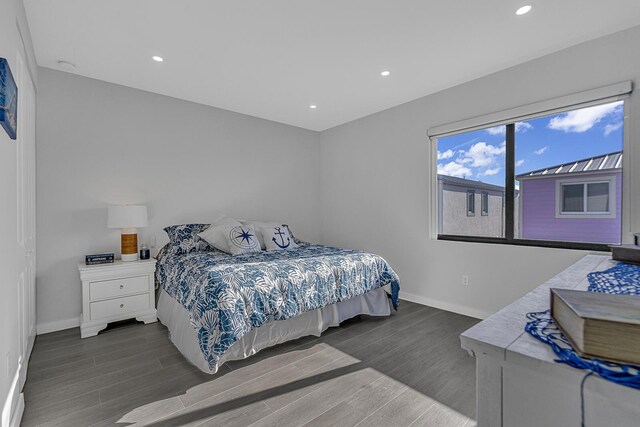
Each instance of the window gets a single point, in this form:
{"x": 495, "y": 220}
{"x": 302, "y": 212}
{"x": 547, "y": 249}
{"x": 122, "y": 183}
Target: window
{"x": 586, "y": 199}
{"x": 572, "y": 198}
{"x": 485, "y": 203}
{"x": 597, "y": 200}
{"x": 471, "y": 202}
{"x": 556, "y": 179}
{"x": 470, "y": 167}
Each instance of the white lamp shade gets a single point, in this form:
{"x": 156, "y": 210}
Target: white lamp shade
{"x": 127, "y": 216}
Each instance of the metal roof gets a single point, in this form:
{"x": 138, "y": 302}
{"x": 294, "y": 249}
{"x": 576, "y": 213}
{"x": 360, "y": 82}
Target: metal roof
{"x": 468, "y": 183}
{"x": 604, "y": 162}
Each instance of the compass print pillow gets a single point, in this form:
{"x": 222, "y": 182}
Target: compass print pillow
{"x": 277, "y": 238}
{"x": 242, "y": 239}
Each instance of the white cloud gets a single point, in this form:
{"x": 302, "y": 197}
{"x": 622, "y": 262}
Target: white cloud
{"x": 445, "y": 155}
{"x": 612, "y": 127}
{"x": 481, "y": 159}
{"x": 497, "y": 130}
{"x": 584, "y": 119}
{"x": 501, "y": 130}
{"x": 519, "y": 162}
{"x": 490, "y": 172}
{"x": 454, "y": 169}
{"x": 523, "y": 126}
{"x": 541, "y": 150}
{"x": 482, "y": 154}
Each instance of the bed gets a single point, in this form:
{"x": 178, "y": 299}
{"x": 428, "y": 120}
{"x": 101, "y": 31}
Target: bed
{"x": 219, "y": 307}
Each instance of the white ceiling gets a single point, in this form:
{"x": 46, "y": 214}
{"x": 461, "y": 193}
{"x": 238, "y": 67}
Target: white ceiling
{"x": 273, "y": 58}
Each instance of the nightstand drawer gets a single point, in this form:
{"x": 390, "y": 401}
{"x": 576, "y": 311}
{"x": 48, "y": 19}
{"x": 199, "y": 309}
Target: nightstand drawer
{"x": 119, "y": 287}
{"x": 114, "y": 307}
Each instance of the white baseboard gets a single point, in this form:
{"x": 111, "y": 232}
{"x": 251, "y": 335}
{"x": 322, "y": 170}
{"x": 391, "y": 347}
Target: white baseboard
{"x": 17, "y": 414}
{"x": 13, "y": 406}
{"x": 60, "y": 325}
{"x": 455, "y": 308}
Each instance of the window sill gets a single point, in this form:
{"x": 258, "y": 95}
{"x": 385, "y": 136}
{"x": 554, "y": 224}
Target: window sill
{"x": 586, "y": 215}
{"x": 600, "y": 247}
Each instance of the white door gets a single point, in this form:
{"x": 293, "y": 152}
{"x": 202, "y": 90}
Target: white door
{"x": 25, "y": 204}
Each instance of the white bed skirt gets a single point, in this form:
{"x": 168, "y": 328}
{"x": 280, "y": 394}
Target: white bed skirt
{"x": 176, "y": 318}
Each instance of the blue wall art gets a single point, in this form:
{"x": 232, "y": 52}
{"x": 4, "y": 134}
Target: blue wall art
{"x": 8, "y": 100}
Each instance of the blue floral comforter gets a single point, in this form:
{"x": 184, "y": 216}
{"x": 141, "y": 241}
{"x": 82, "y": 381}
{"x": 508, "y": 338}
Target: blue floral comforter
{"x": 227, "y": 296}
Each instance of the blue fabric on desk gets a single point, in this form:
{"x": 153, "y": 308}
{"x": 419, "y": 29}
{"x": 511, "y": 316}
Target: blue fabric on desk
{"x": 622, "y": 279}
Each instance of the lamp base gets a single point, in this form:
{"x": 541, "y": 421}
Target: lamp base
{"x": 129, "y": 257}
{"x": 129, "y": 244}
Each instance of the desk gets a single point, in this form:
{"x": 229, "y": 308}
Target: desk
{"x": 518, "y": 383}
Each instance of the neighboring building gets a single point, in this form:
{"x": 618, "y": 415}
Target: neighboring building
{"x": 579, "y": 201}
{"x": 470, "y": 208}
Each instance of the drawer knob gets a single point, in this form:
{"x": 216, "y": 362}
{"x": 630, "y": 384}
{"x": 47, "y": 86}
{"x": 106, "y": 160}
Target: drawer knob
{"x": 121, "y": 305}
{"x": 121, "y": 286}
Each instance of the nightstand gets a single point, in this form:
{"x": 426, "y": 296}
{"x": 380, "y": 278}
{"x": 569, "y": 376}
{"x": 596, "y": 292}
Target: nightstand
{"x": 118, "y": 291}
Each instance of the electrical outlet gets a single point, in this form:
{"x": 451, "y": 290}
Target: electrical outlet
{"x": 152, "y": 244}
{"x": 465, "y": 280}
{"x": 8, "y": 364}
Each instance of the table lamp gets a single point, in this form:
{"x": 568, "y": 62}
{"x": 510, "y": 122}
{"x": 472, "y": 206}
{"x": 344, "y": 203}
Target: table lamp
{"x": 128, "y": 218}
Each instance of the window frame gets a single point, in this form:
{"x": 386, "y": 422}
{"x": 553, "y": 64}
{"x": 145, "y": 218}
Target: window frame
{"x": 610, "y": 180}
{"x": 484, "y": 203}
{"x": 471, "y": 207}
{"x": 613, "y": 93}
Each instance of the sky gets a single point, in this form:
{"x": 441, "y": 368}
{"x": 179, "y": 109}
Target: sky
{"x": 540, "y": 143}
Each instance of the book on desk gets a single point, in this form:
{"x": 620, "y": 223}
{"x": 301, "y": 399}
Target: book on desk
{"x": 103, "y": 258}
{"x": 626, "y": 253}
{"x": 599, "y": 325}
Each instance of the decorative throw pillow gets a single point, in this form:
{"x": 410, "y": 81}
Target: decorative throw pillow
{"x": 242, "y": 239}
{"x": 259, "y": 225}
{"x": 184, "y": 238}
{"x": 277, "y": 238}
{"x": 216, "y": 235}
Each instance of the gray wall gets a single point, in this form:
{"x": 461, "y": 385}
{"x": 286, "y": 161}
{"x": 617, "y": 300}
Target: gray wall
{"x": 376, "y": 178}
{"x": 100, "y": 144}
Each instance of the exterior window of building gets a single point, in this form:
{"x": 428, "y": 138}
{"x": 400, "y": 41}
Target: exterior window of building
{"x": 597, "y": 197}
{"x": 586, "y": 198}
{"x": 485, "y": 203}
{"x": 572, "y": 198}
{"x": 552, "y": 180}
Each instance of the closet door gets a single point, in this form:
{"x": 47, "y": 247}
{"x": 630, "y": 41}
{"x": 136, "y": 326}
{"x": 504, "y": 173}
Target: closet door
{"x": 31, "y": 211}
{"x": 30, "y": 207}
{"x": 25, "y": 205}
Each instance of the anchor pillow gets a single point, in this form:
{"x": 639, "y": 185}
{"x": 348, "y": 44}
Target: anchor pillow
{"x": 277, "y": 238}
{"x": 259, "y": 225}
{"x": 242, "y": 239}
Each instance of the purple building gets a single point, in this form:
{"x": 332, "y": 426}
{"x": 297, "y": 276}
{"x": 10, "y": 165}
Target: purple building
{"x": 578, "y": 202}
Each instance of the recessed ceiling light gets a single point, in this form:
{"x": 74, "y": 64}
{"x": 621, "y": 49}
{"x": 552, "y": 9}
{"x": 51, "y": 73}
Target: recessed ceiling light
{"x": 66, "y": 65}
{"x": 313, "y": 107}
{"x": 523, "y": 10}
{"x": 385, "y": 73}
{"x": 158, "y": 58}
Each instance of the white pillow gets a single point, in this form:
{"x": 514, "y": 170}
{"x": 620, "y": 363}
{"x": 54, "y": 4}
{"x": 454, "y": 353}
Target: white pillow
{"x": 215, "y": 235}
{"x": 259, "y": 225}
{"x": 242, "y": 239}
{"x": 277, "y": 238}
